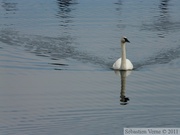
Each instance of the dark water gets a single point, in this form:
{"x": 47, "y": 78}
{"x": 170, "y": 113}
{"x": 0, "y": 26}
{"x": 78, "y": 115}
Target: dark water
{"x": 56, "y": 58}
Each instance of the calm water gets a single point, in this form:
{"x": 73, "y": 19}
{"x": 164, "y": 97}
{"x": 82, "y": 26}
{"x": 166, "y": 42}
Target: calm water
{"x": 56, "y": 58}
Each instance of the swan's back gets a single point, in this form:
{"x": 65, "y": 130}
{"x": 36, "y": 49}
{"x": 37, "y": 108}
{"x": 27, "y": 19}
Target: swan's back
{"x": 117, "y": 65}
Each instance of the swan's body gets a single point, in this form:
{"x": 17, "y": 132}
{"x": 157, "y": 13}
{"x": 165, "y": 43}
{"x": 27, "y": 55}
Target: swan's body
{"x": 123, "y": 63}
{"x": 117, "y": 65}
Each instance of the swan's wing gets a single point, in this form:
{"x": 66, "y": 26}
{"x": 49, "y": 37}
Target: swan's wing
{"x": 129, "y": 65}
{"x": 117, "y": 64}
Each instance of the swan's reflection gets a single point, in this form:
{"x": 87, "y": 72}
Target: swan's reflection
{"x": 123, "y": 74}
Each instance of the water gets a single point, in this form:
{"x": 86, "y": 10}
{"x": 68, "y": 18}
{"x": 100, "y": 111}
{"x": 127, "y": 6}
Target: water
{"x": 56, "y": 58}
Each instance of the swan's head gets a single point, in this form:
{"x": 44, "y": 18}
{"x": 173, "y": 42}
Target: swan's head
{"x": 124, "y": 40}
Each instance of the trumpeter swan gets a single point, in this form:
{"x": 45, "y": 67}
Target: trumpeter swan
{"x": 123, "y": 63}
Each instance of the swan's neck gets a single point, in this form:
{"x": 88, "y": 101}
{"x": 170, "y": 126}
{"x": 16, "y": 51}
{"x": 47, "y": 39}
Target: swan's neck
{"x": 123, "y": 57}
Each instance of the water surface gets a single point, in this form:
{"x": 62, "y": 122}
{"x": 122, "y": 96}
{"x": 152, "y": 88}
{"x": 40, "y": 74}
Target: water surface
{"x": 56, "y": 58}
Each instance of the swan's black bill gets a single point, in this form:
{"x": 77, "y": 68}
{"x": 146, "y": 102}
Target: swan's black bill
{"x": 127, "y": 40}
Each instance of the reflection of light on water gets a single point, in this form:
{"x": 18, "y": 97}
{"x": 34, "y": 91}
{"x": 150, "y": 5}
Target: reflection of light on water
{"x": 162, "y": 23}
{"x": 123, "y": 74}
{"x": 10, "y": 9}
{"x": 9, "y": 6}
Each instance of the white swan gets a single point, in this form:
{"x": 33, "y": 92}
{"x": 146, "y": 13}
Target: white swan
{"x": 123, "y": 63}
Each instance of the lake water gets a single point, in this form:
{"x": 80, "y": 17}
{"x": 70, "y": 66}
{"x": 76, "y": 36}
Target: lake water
{"x": 56, "y": 58}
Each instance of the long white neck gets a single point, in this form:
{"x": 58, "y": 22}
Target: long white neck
{"x": 123, "y": 57}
